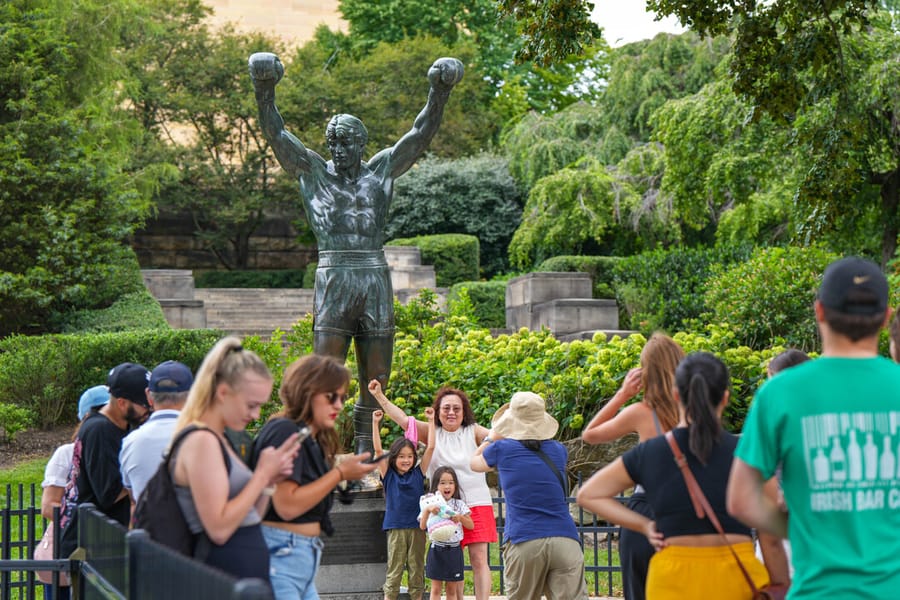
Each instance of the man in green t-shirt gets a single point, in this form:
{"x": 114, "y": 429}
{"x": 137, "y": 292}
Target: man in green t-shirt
{"x": 833, "y": 426}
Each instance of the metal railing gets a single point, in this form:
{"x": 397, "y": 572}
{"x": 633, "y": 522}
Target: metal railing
{"x": 120, "y": 564}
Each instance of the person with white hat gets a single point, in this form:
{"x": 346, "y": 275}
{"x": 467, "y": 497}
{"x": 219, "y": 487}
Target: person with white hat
{"x": 542, "y": 552}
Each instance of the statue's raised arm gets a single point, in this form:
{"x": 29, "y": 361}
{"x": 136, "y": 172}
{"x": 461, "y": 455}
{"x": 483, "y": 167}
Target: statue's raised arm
{"x": 266, "y": 71}
{"x": 443, "y": 75}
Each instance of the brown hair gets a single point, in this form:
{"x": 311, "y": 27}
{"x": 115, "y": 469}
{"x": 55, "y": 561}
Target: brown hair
{"x": 303, "y": 379}
{"x": 659, "y": 359}
{"x": 468, "y": 415}
{"x": 854, "y": 327}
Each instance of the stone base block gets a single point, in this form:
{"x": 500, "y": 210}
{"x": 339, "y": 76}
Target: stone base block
{"x": 184, "y": 314}
{"x": 354, "y": 561}
{"x": 413, "y": 277}
{"x": 402, "y": 256}
{"x": 535, "y": 288}
{"x": 567, "y": 315}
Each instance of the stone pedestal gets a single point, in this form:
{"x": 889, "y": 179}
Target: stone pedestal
{"x": 354, "y": 561}
{"x": 174, "y": 289}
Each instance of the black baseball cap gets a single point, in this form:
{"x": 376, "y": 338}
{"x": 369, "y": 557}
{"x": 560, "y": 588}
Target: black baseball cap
{"x": 854, "y": 286}
{"x": 129, "y": 381}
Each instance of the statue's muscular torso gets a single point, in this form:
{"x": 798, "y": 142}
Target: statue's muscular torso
{"x": 345, "y": 214}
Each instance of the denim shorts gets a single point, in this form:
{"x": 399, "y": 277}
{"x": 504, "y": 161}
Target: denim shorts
{"x": 293, "y": 562}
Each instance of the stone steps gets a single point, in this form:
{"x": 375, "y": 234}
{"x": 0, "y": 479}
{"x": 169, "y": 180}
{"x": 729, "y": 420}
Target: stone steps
{"x": 259, "y": 311}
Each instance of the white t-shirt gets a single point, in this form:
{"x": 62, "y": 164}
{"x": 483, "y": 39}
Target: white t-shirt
{"x": 455, "y": 449}
{"x": 57, "y": 470}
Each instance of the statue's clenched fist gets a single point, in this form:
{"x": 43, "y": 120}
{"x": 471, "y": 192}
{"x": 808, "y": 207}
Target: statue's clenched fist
{"x": 445, "y": 73}
{"x": 265, "y": 66}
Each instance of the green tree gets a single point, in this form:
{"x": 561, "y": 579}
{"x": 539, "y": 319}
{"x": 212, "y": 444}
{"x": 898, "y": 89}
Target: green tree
{"x": 551, "y": 29}
{"x": 828, "y": 72}
{"x": 645, "y": 75}
{"x": 715, "y": 160}
{"x": 67, "y": 200}
{"x": 474, "y": 195}
{"x": 572, "y": 211}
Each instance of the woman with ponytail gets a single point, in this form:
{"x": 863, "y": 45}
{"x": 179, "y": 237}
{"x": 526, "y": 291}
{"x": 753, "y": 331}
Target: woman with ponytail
{"x": 655, "y": 414}
{"x": 692, "y": 560}
{"x": 222, "y": 500}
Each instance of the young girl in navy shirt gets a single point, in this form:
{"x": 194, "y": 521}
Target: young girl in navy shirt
{"x": 403, "y": 481}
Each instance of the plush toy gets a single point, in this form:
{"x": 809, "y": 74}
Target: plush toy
{"x": 440, "y": 527}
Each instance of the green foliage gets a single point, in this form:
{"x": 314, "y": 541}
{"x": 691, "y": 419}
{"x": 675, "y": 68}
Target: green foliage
{"x": 716, "y": 161}
{"x": 769, "y": 296}
{"x": 14, "y": 419}
{"x": 553, "y": 29}
{"x": 488, "y": 300}
{"x": 776, "y": 43}
{"x": 539, "y": 145}
{"x": 575, "y": 378}
{"x": 645, "y": 75}
{"x": 44, "y": 373}
{"x": 474, "y": 195}
{"x": 602, "y": 270}
{"x": 309, "y": 276}
{"x": 278, "y": 278}
{"x": 66, "y": 201}
{"x": 454, "y": 255}
{"x": 137, "y": 310}
{"x": 664, "y": 289}
{"x": 572, "y": 211}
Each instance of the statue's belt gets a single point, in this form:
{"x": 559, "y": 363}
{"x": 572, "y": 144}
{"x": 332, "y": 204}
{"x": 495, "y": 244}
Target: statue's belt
{"x": 352, "y": 258}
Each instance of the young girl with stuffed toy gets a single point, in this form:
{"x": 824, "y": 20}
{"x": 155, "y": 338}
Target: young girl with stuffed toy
{"x": 403, "y": 481}
{"x": 444, "y": 564}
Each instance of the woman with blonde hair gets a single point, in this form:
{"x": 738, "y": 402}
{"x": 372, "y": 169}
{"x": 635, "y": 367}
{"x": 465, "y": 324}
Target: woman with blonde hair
{"x": 313, "y": 391}
{"x": 221, "y": 498}
{"x": 654, "y": 415}
{"x": 692, "y": 560}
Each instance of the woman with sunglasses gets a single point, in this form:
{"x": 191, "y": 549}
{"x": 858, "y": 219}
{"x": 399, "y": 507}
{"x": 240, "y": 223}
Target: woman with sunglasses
{"x": 457, "y": 438}
{"x": 312, "y": 393}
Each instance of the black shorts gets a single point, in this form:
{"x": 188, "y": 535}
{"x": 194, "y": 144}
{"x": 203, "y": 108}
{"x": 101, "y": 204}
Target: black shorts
{"x": 444, "y": 563}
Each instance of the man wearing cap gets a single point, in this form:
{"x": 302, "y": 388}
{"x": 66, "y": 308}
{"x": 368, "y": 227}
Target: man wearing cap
{"x": 832, "y": 425}
{"x": 95, "y": 476}
{"x": 143, "y": 448}
{"x": 542, "y": 550}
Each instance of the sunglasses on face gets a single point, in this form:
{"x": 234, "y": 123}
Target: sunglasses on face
{"x": 334, "y": 397}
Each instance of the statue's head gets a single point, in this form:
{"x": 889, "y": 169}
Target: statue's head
{"x": 346, "y": 125}
{"x": 346, "y": 137}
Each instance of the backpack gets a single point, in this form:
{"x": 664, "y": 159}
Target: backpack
{"x": 157, "y": 510}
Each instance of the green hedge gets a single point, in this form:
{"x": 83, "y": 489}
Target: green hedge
{"x": 454, "y": 255}
{"x": 600, "y": 268}
{"x": 48, "y": 373}
{"x": 488, "y": 300}
{"x": 138, "y": 310}
{"x": 664, "y": 289}
{"x": 278, "y": 278}
{"x": 770, "y": 296}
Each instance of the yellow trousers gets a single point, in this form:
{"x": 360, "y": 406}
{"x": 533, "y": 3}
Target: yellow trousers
{"x": 686, "y": 572}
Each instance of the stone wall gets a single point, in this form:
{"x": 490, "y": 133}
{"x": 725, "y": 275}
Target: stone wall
{"x": 168, "y": 242}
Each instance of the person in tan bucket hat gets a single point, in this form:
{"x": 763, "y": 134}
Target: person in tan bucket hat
{"x": 541, "y": 549}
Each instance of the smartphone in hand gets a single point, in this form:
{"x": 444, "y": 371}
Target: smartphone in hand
{"x": 375, "y": 459}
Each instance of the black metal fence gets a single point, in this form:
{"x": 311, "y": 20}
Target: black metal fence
{"x": 121, "y": 564}
{"x": 115, "y": 564}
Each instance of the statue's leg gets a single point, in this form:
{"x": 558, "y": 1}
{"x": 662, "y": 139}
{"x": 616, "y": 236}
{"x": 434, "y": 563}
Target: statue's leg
{"x": 373, "y": 357}
{"x": 331, "y": 344}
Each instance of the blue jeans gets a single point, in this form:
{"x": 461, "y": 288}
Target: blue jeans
{"x": 293, "y": 562}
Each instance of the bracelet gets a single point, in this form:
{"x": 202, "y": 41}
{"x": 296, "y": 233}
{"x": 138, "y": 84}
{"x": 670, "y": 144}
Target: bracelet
{"x": 268, "y": 491}
{"x": 340, "y": 472}
{"x": 486, "y": 440}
